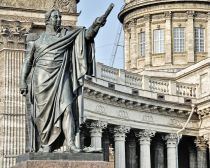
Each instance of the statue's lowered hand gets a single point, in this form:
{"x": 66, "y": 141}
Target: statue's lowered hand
{"x": 23, "y": 89}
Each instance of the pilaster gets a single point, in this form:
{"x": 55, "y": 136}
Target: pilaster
{"x": 127, "y": 46}
{"x": 190, "y": 36}
{"x": 133, "y": 47}
{"x": 119, "y": 138}
{"x": 208, "y": 37}
{"x": 148, "y": 40}
{"x": 168, "y": 35}
{"x": 144, "y": 140}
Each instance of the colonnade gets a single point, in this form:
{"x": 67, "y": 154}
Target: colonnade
{"x": 147, "y": 148}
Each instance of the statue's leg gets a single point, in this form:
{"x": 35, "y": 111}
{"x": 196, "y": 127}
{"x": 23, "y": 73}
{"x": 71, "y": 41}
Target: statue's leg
{"x": 68, "y": 125}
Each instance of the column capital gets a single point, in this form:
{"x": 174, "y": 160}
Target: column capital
{"x": 171, "y": 139}
{"x": 147, "y": 17}
{"x": 97, "y": 126}
{"x": 119, "y": 133}
{"x": 168, "y": 14}
{"x": 145, "y": 135}
{"x": 200, "y": 142}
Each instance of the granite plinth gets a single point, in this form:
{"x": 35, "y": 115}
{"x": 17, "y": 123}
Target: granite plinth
{"x": 60, "y": 156}
{"x": 64, "y": 164}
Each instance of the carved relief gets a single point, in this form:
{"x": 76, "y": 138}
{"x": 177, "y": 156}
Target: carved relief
{"x": 100, "y": 109}
{"x": 66, "y": 5}
{"x": 123, "y": 114}
{"x": 148, "y": 118}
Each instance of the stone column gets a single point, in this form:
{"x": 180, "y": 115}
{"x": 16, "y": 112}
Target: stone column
{"x": 131, "y": 152}
{"x": 96, "y": 134}
{"x": 207, "y": 139}
{"x": 119, "y": 138}
{"x": 144, "y": 140}
{"x": 172, "y": 153}
{"x": 148, "y": 41}
{"x": 168, "y": 35}
{"x": 201, "y": 152}
{"x": 190, "y": 37}
{"x": 133, "y": 48}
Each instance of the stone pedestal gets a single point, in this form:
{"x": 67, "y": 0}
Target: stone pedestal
{"x": 60, "y": 156}
{"x": 62, "y": 160}
{"x": 64, "y": 164}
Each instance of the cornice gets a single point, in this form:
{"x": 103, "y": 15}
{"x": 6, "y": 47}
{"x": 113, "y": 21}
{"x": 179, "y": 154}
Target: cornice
{"x": 107, "y": 95}
{"x": 139, "y": 4}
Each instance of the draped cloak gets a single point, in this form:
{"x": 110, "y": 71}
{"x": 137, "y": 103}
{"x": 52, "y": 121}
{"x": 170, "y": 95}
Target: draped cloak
{"x": 56, "y": 83}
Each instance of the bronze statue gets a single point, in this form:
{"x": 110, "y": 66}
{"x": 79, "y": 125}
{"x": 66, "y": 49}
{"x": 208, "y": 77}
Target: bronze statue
{"x": 58, "y": 60}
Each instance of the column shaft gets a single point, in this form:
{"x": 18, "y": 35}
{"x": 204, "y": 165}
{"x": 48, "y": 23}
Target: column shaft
{"x": 172, "y": 154}
{"x": 119, "y": 138}
{"x": 144, "y": 139}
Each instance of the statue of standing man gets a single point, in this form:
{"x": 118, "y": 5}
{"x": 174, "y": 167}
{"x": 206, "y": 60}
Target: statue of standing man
{"x": 58, "y": 60}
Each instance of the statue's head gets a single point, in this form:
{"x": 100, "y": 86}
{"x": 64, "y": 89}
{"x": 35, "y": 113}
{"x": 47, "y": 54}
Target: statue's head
{"x": 53, "y": 17}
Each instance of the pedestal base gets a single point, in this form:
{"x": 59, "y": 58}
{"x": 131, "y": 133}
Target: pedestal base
{"x": 64, "y": 164}
{"x": 60, "y": 156}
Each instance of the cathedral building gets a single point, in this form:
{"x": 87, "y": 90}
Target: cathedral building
{"x": 155, "y": 113}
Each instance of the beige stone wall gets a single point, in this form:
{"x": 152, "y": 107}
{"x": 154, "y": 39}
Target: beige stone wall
{"x": 147, "y": 18}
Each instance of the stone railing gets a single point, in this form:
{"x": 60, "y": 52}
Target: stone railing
{"x": 136, "y": 81}
{"x": 186, "y": 90}
{"x": 160, "y": 86}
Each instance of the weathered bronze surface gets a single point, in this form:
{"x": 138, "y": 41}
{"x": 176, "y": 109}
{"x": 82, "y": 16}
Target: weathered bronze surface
{"x": 58, "y": 59}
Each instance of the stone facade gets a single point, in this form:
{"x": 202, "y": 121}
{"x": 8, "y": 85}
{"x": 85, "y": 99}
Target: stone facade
{"x": 148, "y": 16}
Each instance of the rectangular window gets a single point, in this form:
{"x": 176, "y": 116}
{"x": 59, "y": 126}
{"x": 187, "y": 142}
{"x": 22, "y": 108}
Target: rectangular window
{"x": 179, "y": 39}
{"x": 142, "y": 44}
{"x": 159, "y": 41}
{"x": 199, "y": 40}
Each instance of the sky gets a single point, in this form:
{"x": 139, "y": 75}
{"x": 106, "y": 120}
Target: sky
{"x": 106, "y": 38}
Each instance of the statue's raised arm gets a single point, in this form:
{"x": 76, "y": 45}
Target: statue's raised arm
{"x": 99, "y": 22}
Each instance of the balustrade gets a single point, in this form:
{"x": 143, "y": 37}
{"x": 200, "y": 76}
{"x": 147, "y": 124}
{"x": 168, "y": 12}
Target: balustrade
{"x": 137, "y": 81}
{"x": 186, "y": 90}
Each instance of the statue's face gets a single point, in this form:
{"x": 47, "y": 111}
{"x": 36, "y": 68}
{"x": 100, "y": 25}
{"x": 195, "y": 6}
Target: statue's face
{"x": 55, "y": 19}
